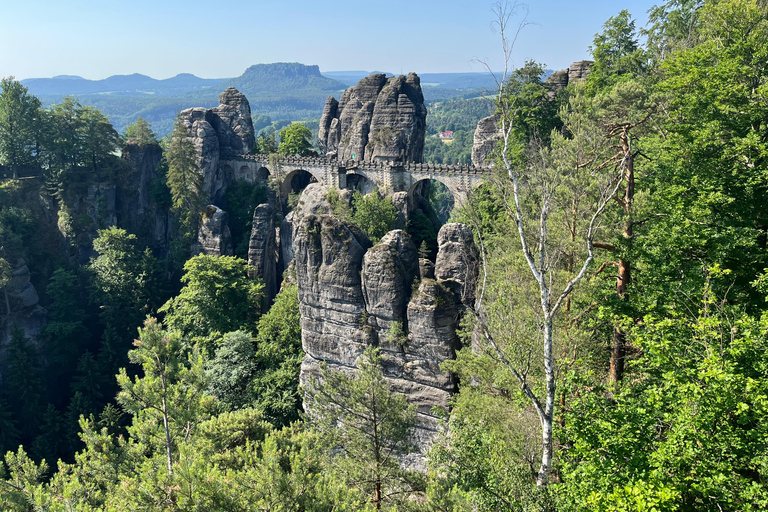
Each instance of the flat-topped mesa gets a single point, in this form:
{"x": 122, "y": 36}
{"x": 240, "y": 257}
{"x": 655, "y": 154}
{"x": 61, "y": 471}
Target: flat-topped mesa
{"x": 379, "y": 119}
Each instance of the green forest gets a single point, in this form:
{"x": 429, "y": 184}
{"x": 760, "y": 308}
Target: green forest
{"x": 615, "y": 358}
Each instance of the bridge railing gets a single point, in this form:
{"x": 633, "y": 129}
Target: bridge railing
{"x": 461, "y": 169}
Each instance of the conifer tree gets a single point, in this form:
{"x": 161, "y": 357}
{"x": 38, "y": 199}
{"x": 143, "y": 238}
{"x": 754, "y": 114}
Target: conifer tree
{"x": 184, "y": 178}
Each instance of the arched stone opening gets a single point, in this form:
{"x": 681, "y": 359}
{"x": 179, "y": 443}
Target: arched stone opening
{"x": 430, "y": 203}
{"x": 262, "y": 176}
{"x": 295, "y": 182}
{"x": 361, "y": 183}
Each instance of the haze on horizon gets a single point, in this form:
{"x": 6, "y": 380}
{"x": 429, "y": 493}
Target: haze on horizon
{"x": 162, "y": 38}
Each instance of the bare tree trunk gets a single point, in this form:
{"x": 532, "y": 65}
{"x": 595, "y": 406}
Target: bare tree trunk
{"x": 7, "y": 301}
{"x": 546, "y": 416}
{"x": 619, "y": 342}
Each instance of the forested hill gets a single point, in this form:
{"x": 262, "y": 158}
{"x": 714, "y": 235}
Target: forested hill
{"x": 280, "y": 90}
{"x": 123, "y": 85}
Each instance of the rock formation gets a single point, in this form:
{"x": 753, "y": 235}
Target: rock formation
{"x": 19, "y": 306}
{"x": 220, "y": 133}
{"x": 262, "y": 250}
{"x": 213, "y": 237}
{"x": 487, "y": 134}
{"x": 233, "y": 124}
{"x": 379, "y": 119}
{"x": 353, "y": 295}
{"x": 138, "y": 212}
{"x": 578, "y": 70}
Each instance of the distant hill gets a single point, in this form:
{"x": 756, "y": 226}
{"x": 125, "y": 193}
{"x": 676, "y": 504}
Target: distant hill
{"x": 64, "y": 85}
{"x": 283, "y": 78}
{"x": 281, "y": 90}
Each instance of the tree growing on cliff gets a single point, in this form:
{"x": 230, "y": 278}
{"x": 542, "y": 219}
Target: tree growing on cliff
{"x": 184, "y": 178}
{"x": 369, "y": 425}
{"x": 140, "y": 133}
{"x": 19, "y": 125}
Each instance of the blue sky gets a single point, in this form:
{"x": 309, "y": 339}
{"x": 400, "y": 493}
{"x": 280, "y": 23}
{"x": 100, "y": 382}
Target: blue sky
{"x": 161, "y": 38}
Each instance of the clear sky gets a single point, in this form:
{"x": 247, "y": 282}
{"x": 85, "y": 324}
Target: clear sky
{"x": 161, "y": 38}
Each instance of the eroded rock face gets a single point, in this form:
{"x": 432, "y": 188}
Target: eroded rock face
{"x": 560, "y": 79}
{"x": 233, "y": 124}
{"x": 579, "y": 70}
{"x": 353, "y": 295}
{"x": 213, "y": 237}
{"x": 138, "y": 213}
{"x": 457, "y": 261}
{"x": 487, "y": 134}
{"x": 389, "y": 268}
{"x": 379, "y": 119}
{"x": 220, "y": 133}
{"x": 19, "y": 306}
{"x": 262, "y": 250}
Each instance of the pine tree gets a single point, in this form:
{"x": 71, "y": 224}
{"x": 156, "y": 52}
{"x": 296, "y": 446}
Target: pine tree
{"x": 367, "y": 426}
{"x": 184, "y": 177}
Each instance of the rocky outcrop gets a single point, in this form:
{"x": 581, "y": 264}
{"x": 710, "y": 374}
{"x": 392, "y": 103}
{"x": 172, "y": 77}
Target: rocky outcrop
{"x": 138, "y": 211}
{"x": 379, "y": 119}
{"x": 233, "y": 124}
{"x": 213, "y": 236}
{"x": 487, "y": 134}
{"x": 389, "y": 268}
{"x": 579, "y": 70}
{"x": 19, "y": 305}
{"x": 560, "y": 79}
{"x": 262, "y": 250}
{"x": 220, "y": 133}
{"x": 457, "y": 261}
{"x": 353, "y": 295}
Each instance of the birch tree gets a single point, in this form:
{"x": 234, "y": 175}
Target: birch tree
{"x": 566, "y": 184}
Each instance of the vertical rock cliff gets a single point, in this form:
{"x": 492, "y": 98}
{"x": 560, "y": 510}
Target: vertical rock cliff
{"x": 353, "y": 294}
{"x": 379, "y": 119}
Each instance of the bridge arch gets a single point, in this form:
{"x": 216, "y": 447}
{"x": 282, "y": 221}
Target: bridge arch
{"x": 361, "y": 182}
{"x": 442, "y": 196}
{"x": 297, "y": 180}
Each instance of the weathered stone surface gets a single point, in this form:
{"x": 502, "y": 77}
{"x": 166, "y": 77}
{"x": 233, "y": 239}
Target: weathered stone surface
{"x": 286, "y": 239}
{"x": 233, "y": 124}
{"x": 220, "y": 133}
{"x": 560, "y": 79}
{"x": 388, "y": 271}
{"x": 262, "y": 250}
{"x": 579, "y": 70}
{"x": 328, "y": 259}
{"x": 400, "y": 201}
{"x": 457, "y": 260}
{"x": 138, "y": 213}
{"x": 556, "y": 81}
{"x": 426, "y": 269}
{"x": 213, "y": 237}
{"x": 351, "y": 295}
{"x": 20, "y": 297}
{"x": 379, "y": 119}
{"x": 328, "y": 133}
{"x": 199, "y": 123}
{"x": 487, "y": 134}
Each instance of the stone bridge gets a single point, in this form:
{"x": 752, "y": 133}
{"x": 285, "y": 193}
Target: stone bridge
{"x": 388, "y": 177}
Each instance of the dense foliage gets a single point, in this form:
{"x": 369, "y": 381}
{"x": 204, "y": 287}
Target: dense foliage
{"x": 639, "y": 191}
